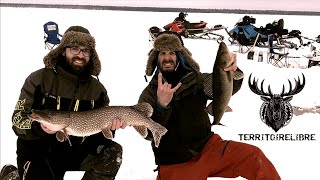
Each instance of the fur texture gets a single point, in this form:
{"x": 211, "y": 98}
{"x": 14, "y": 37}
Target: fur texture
{"x": 74, "y": 38}
{"x": 168, "y": 42}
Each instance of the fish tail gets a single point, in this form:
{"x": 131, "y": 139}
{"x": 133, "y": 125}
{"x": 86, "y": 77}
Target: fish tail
{"x": 217, "y": 118}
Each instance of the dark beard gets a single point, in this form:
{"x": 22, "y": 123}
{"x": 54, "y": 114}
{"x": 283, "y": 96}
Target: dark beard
{"x": 174, "y": 77}
{"x": 76, "y": 70}
{"x": 166, "y": 70}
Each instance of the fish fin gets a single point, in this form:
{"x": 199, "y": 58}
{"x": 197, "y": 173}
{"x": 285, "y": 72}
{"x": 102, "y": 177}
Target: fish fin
{"x": 62, "y": 136}
{"x": 208, "y": 109}
{"x": 144, "y": 107}
{"x": 219, "y": 124}
{"x": 157, "y": 132}
{"x": 83, "y": 138}
{"x": 217, "y": 119}
{"x": 237, "y": 75}
{"x": 69, "y": 141}
{"x": 142, "y": 130}
{"x": 107, "y": 133}
{"x": 208, "y": 86}
{"x": 228, "y": 109}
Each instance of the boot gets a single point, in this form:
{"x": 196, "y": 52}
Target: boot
{"x": 9, "y": 172}
{"x": 105, "y": 164}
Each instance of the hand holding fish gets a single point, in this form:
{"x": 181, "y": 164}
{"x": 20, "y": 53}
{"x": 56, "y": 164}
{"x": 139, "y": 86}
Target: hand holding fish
{"x": 47, "y": 130}
{"x": 219, "y": 86}
{"x": 117, "y": 124}
{"x": 165, "y": 92}
{"x": 233, "y": 66}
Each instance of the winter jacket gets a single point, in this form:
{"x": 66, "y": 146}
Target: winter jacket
{"x": 53, "y": 89}
{"x": 188, "y": 124}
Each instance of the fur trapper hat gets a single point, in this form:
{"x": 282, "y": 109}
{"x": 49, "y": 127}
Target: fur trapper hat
{"x": 172, "y": 42}
{"x": 75, "y": 36}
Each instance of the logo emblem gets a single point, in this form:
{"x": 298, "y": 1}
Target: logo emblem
{"x": 276, "y": 111}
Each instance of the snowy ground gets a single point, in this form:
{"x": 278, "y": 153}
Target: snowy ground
{"x": 123, "y": 43}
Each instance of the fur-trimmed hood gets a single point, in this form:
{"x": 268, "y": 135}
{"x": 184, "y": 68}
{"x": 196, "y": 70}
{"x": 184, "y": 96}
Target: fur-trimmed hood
{"x": 170, "y": 42}
{"x": 75, "y": 36}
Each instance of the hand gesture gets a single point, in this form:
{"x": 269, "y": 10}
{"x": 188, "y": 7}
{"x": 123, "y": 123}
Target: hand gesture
{"x": 165, "y": 92}
{"x": 233, "y": 66}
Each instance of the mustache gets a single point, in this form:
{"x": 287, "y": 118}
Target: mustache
{"x": 77, "y": 58}
{"x": 168, "y": 61}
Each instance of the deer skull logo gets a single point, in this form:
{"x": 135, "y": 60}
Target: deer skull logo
{"x": 276, "y": 111}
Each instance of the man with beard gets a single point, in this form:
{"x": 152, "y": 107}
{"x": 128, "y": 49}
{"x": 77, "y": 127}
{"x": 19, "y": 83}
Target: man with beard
{"x": 65, "y": 84}
{"x": 190, "y": 150}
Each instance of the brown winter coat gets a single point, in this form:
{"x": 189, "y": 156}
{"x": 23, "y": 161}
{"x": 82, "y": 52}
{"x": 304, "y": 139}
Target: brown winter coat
{"x": 54, "y": 88}
{"x": 188, "y": 123}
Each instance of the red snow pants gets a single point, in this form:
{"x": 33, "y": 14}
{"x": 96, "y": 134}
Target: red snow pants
{"x": 219, "y": 158}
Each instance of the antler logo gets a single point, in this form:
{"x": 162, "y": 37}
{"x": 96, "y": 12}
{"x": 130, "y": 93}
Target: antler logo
{"x": 276, "y": 111}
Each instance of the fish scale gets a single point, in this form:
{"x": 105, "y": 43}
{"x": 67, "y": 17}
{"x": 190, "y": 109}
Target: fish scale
{"x": 86, "y": 123}
{"x": 219, "y": 85}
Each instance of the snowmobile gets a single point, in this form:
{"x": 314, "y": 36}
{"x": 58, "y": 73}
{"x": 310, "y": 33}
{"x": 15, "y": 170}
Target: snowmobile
{"x": 246, "y": 34}
{"x": 272, "y": 36}
{"x": 197, "y": 30}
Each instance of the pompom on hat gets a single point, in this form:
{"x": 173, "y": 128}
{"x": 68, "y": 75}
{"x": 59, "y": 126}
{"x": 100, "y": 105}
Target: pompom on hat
{"x": 171, "y": 41}
{"x": 75, "y": 36}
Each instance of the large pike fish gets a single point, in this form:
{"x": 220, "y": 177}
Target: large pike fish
{"x": 219, "y": 86}
{"x": 86, "y": 123}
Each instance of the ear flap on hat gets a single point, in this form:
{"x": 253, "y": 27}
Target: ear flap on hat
{"x": 152, "y": 62}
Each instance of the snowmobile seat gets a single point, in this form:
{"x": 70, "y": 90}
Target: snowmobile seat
{"x": 247, "y": 37}
{"x": 275, "y": 28}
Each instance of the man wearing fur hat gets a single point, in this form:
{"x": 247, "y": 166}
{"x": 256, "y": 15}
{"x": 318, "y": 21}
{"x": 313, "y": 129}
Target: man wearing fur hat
{"x": 189, "y": 150}
{"x": 65, "y": 84}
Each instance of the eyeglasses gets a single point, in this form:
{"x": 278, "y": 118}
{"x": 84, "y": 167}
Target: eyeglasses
{"x": 77, "y": 50}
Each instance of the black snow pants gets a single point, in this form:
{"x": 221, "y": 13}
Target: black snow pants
{"x": 99, "y": 157}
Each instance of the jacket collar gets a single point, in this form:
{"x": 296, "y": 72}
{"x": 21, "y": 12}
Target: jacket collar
{"x": 68, "y": 75}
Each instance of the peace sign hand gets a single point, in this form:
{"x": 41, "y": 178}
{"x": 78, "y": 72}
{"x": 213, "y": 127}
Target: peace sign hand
{"x": 165, "y": 92}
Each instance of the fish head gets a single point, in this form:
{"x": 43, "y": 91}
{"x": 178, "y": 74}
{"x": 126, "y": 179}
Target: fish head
{"x": 224, "y": 56}
{"x": 48, "y": 119}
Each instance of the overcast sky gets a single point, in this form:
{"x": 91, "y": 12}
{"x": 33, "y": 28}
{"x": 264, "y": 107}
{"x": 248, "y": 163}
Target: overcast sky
{"x": 288, "y": 5}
